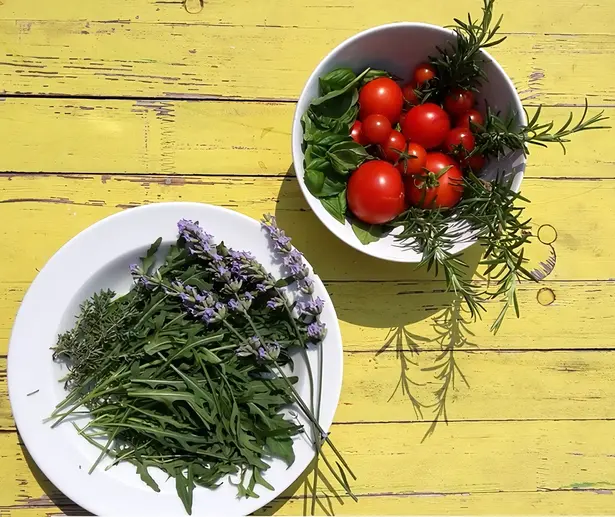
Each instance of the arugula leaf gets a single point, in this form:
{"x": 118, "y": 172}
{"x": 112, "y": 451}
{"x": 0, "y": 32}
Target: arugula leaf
{"x": 346, "y": 156}
{"x": 336, "y": 80}
{"x": 367, "y": 233}
{"x": 150, "y": 257}
{"x": 336, "y": 206}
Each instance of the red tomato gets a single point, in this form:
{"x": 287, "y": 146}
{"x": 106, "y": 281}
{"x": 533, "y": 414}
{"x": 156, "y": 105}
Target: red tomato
{"x": 356, "y": 133}
{"x": 459, "y": 101}
{"x": 376, "y": 192}
{"x": 475, "y": 162}
{"x": 409, "y": 94}
{"x": 426, "y": 124}
{"x": 423, "y": 73}
{"x": 415, "y": 162}
{"x": 436, "y": 189}
{"x": 381, "y": 96}
{"x": 376, "y": 129}
{"x": 459, "y": 136}
{"x": 472, "y": 116}
{"x": 395, "y": 141}
{"x": 402, "y": 117}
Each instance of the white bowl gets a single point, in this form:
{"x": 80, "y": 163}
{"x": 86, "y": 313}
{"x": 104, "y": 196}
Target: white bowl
{"x": 398, "y": 48}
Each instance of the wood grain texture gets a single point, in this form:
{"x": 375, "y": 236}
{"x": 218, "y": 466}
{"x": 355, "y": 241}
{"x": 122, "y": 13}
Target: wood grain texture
{"x": 50, "y": 209}
{"x": 508, "y": 457}
{"x": 535, "y": 431}
{"x": 214, "y": 138}
{"x": 555, "y": 385}
{"x": 201, "y": 59}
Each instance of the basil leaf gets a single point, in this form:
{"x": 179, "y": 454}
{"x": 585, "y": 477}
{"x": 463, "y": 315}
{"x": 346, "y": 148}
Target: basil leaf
{"x": 336, "y": 206}
{"x": 323, "y": 137}
{"x": 346, "y": 156}
{"x": 314, "y": 180}
{"x": 337, "y": 93}
{"x": 367, "y": 233}
{"x": 339, "y": 106}
{"x": 336, "y": 80}
{"x": 341, "y": 124}
{"x": 312, "y": 152}
{"x": 374, "y": 74}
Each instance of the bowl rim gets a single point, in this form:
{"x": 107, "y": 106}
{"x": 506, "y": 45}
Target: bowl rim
{"x": 298, "y": 154}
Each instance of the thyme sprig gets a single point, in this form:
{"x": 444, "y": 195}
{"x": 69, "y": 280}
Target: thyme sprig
{"x": 500, "y": 135}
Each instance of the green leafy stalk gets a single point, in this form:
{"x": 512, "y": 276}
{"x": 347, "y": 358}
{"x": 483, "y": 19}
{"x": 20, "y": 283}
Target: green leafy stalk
{"x": 460, "y": 64}
{"x": 499, "y": 136}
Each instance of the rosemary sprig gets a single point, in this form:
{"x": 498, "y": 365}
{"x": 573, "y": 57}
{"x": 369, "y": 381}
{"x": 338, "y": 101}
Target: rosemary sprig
{"x": 492, "y": 210}
{"x": 432, "y": 234}
{"x": 460, "y": 65}
{"x": 500, "y": 135}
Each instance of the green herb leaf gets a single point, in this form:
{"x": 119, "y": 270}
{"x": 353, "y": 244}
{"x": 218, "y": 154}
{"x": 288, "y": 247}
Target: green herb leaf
{"x": 338, "y": 93}
{"x": 374, "y": 74}
{"x": 336, "y": 206}
{"x": 367, "y": 233}
{"x": 148, "y": 261}
{"x": 336, "y": 80}
{"x": 346, "y": 156}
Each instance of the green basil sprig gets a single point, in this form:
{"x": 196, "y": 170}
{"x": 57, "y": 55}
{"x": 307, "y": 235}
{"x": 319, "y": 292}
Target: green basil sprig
{"x": 330, "y": 155}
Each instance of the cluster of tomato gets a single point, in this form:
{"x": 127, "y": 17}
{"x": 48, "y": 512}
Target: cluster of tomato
{"x": 422, "y": 164}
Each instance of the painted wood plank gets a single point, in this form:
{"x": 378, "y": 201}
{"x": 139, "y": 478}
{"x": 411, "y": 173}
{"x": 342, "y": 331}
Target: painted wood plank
{"x": 221, "y": 138}
{"x": 553, "y": 385}
{"x": 117, "y": 58}
{"x": 510, "y": 457}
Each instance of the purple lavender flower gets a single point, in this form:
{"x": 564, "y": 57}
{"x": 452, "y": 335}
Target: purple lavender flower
{"x": 274, "y": 303}
{"x": 261, "y": 288}
{"x": 232, "y": 304}
{"x": 311, "y": 308}
{"x": 306, "y": 286}
{"x": 135, "y": 269}
{"x": 208, "y": 315}
{"x": 316, "y": 331}
{"x": 262, "y": 354}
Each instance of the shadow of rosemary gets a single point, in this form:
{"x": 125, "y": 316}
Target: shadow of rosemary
{"x": 370, "y": 292}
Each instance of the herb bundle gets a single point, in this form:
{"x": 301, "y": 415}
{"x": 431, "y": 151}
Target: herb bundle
{"x": 186, "y": 372}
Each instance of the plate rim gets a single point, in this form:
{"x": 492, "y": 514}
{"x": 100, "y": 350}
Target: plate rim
{"x": 33, "y": 445}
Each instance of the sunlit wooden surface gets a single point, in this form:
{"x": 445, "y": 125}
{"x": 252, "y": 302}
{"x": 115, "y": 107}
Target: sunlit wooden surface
{"x": 109, "y": 105}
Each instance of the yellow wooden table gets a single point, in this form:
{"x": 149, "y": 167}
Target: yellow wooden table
{"x": 116, "y": 103}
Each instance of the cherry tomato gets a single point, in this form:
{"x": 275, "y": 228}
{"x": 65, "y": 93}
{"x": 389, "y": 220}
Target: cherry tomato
{"x": 356, "y": 133}
{"x": 376, "y": 129}
{"x": 402, "y": 117}
{"x": 409, "y": 94}
{"x": 472, "y": 116}
{"x": 376, "y": 192}
{"x": 475, "y": 162}
{"x": 459, "y": 101}
{"x": 414, "y": 162}
{"x": 426, "y": 124}
{"x": 423, "y": 73}
{"x": 395, "y": 141}
{"x": 436, "y": 189}
{"x": 381, "y": 96}
{"x": 458, "y": 139}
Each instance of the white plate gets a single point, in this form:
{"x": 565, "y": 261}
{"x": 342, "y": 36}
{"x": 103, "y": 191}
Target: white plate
{"x": 97, "y": 258}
